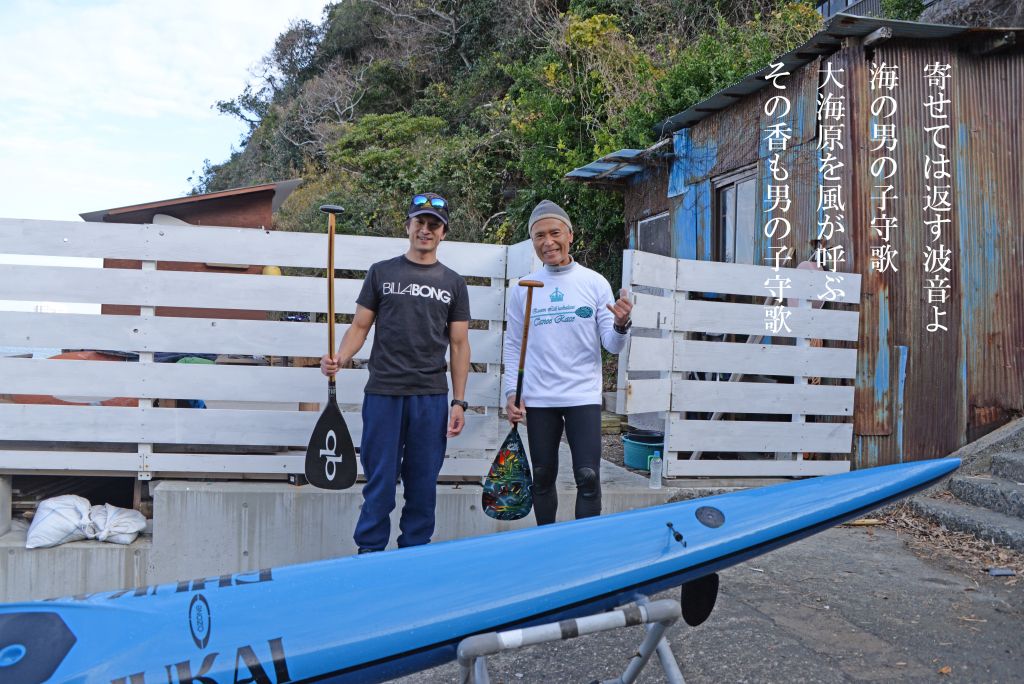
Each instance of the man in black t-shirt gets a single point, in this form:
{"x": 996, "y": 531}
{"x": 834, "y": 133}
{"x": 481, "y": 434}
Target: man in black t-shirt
{"x": 420, "y": 307}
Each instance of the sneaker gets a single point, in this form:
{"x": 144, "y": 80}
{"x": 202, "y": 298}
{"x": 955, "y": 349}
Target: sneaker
{"x": 362, "y": 551}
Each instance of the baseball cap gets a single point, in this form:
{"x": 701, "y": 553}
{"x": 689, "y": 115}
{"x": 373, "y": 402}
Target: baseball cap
{"x": 429, "y": 203}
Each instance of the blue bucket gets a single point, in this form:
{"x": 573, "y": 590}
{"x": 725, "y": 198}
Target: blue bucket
{"x": 638, "y": 447}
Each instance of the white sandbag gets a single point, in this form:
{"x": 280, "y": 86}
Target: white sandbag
{"x": 58, "y": 520}
{"x": 115, "y": 525}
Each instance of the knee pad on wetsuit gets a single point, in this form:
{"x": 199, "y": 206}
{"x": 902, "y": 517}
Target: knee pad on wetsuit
{"x": 587, "y": 483}
{"x": 543, "y": 479}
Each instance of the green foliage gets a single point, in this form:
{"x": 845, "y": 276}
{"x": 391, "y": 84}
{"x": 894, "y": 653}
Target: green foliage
{"x": 381, "y": 160}
{"x": 727, "y": 54}
{"x": 389, "y": 86}
{"x": 489, "y": 103}
{"x": 908, "y": 10}
{"x": 352, "y": 28}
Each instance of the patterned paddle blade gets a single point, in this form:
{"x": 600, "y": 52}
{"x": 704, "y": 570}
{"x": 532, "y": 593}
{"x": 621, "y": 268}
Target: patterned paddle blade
{"x": 508, "y": 489}
{"x": 330, "y": 456}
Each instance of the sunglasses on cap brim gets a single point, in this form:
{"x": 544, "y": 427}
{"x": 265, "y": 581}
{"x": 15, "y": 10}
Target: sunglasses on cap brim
{"x": 423, "y": 200}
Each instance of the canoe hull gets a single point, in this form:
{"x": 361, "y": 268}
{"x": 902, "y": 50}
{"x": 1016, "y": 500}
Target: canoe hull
{"x": 378, "y": 616}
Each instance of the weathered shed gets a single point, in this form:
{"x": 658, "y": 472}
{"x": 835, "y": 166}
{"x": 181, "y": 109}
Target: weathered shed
{"x": 704, "y": 192}
{"x": 248, "y": 207}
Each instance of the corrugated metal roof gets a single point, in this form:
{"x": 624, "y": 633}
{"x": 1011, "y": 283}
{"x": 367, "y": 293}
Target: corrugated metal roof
{"x": 615, "y": 168}
{"x": 825, "y": 42}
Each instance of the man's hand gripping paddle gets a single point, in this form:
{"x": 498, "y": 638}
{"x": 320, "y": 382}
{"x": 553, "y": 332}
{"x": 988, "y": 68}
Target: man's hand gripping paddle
{"x": 330, "y": 456}
{"x": 508, "y": 489}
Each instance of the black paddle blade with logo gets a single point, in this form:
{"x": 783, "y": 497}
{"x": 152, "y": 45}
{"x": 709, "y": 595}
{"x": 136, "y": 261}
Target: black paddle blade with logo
{"x": 508, "y": 489}
{"x": 330, "y": 456}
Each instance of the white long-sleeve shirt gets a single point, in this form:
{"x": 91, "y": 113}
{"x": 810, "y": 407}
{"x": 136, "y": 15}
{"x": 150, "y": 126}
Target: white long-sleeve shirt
{"x": 568, "y": 325}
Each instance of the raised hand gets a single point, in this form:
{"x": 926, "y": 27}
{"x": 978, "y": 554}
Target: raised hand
{"x": 621, "y": 308}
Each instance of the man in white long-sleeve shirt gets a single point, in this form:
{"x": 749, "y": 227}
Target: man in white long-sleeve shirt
{"x": 573, "y": 316}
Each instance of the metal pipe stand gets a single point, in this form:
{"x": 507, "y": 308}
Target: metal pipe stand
{"x": 656, "y": 616}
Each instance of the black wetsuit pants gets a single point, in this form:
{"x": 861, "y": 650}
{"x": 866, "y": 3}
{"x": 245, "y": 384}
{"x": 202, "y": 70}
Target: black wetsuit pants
{"x": 582, "y": 426}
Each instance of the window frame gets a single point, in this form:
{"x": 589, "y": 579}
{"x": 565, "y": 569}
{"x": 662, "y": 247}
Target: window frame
{"x": 654, "y": 217}
{"x": 720, "y": 185}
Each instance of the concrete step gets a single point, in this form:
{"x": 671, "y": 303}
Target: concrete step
{"x": 998, "y": 528}
{"x": 994, "y": 493}
{"x": 1009, "y": 465}
{"x": 611, "y": 423}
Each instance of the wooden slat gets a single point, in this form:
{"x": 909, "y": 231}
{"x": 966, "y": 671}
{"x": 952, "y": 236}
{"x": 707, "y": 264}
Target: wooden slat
{"x": 765, "y": 359}
{"x": 522, "y": 259}
{"x": 650, "y": 270}
{"x": 649, "y": 353}
{"x": 647, "y": 396}
{"x": 202, "y": 290}
{"x": 99, "y": 379}
{"x": 749, "y": 319}
{"x": 77, "y": 462}
{"x": 284, "y": 463}
{"x": 198, "y": 426}
{"x": 208, "y": 244}
{"x": 753, "y": 436}
{"x": 69, "y": 461}
{"x": 761, "y": 397}
{"x": 199, "y": 336}
{"x": 746, "y": 279}
{"x": 651, "y": 311}
{"x": 683, "y": 467}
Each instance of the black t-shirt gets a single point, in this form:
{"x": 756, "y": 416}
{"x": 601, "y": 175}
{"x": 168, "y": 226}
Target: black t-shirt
{"x": 414, "y": 304}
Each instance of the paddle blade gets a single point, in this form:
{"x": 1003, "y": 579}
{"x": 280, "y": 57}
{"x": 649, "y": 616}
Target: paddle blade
{"x": 508, "y": 489}
{"x": 330, "y": 456}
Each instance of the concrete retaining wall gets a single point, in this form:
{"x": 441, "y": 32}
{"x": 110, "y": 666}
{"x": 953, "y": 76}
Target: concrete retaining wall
{"x": 76, "y": 568}
{"x": 203, "y": 529}
{"x": 230, "y": 527}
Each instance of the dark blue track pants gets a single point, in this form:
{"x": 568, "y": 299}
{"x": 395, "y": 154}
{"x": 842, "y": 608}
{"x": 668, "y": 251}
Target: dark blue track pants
{"x": 402, "y": 436}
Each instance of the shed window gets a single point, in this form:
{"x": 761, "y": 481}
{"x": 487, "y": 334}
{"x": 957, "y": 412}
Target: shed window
{"x": 736, "y": 218}
{"x": 654, "y": 235}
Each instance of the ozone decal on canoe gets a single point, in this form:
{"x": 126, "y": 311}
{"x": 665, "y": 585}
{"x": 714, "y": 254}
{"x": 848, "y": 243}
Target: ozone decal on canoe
{"x": 377, "y": 616}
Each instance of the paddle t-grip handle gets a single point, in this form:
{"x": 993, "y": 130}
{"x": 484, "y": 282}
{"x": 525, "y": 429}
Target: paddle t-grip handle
{"x": 332, "y": 211}
{"x": 529, "y": 285}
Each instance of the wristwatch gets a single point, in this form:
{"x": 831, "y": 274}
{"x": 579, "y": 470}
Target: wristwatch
{"x": 459, "y": 402}
{"x": 622, "y": 329}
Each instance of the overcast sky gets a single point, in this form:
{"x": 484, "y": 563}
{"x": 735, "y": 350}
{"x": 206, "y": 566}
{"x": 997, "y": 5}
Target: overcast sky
{"x": 107, "y": 103}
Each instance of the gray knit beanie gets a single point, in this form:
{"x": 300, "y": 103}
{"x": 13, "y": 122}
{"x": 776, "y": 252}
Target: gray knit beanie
{"x": 548, "y": 209}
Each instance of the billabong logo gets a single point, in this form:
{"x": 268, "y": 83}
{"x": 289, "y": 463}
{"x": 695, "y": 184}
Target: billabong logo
{"x": 330, "y": 454}
{"x": 417, "y": 290}
{"x": 584, "y": 312}
{"x": 557, "y": 295}
{"x": 199, "y": 620}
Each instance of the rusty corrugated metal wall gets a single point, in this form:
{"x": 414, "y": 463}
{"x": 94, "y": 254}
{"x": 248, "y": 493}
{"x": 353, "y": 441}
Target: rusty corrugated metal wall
{"x": 645, "y": 196}
{"x": 919, "y": 394}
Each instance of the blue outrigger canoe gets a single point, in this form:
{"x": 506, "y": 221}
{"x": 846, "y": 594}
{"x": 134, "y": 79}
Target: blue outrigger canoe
{"x": 374, "y": 617}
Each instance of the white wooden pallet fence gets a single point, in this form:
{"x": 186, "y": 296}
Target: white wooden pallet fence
{"x": 256, "y": 406}
{"x": 674, "y": 362}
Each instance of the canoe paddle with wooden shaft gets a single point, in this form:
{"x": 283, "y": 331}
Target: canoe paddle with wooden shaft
{"x": 508, "y": 489}
{"x": 330, "y": 456}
